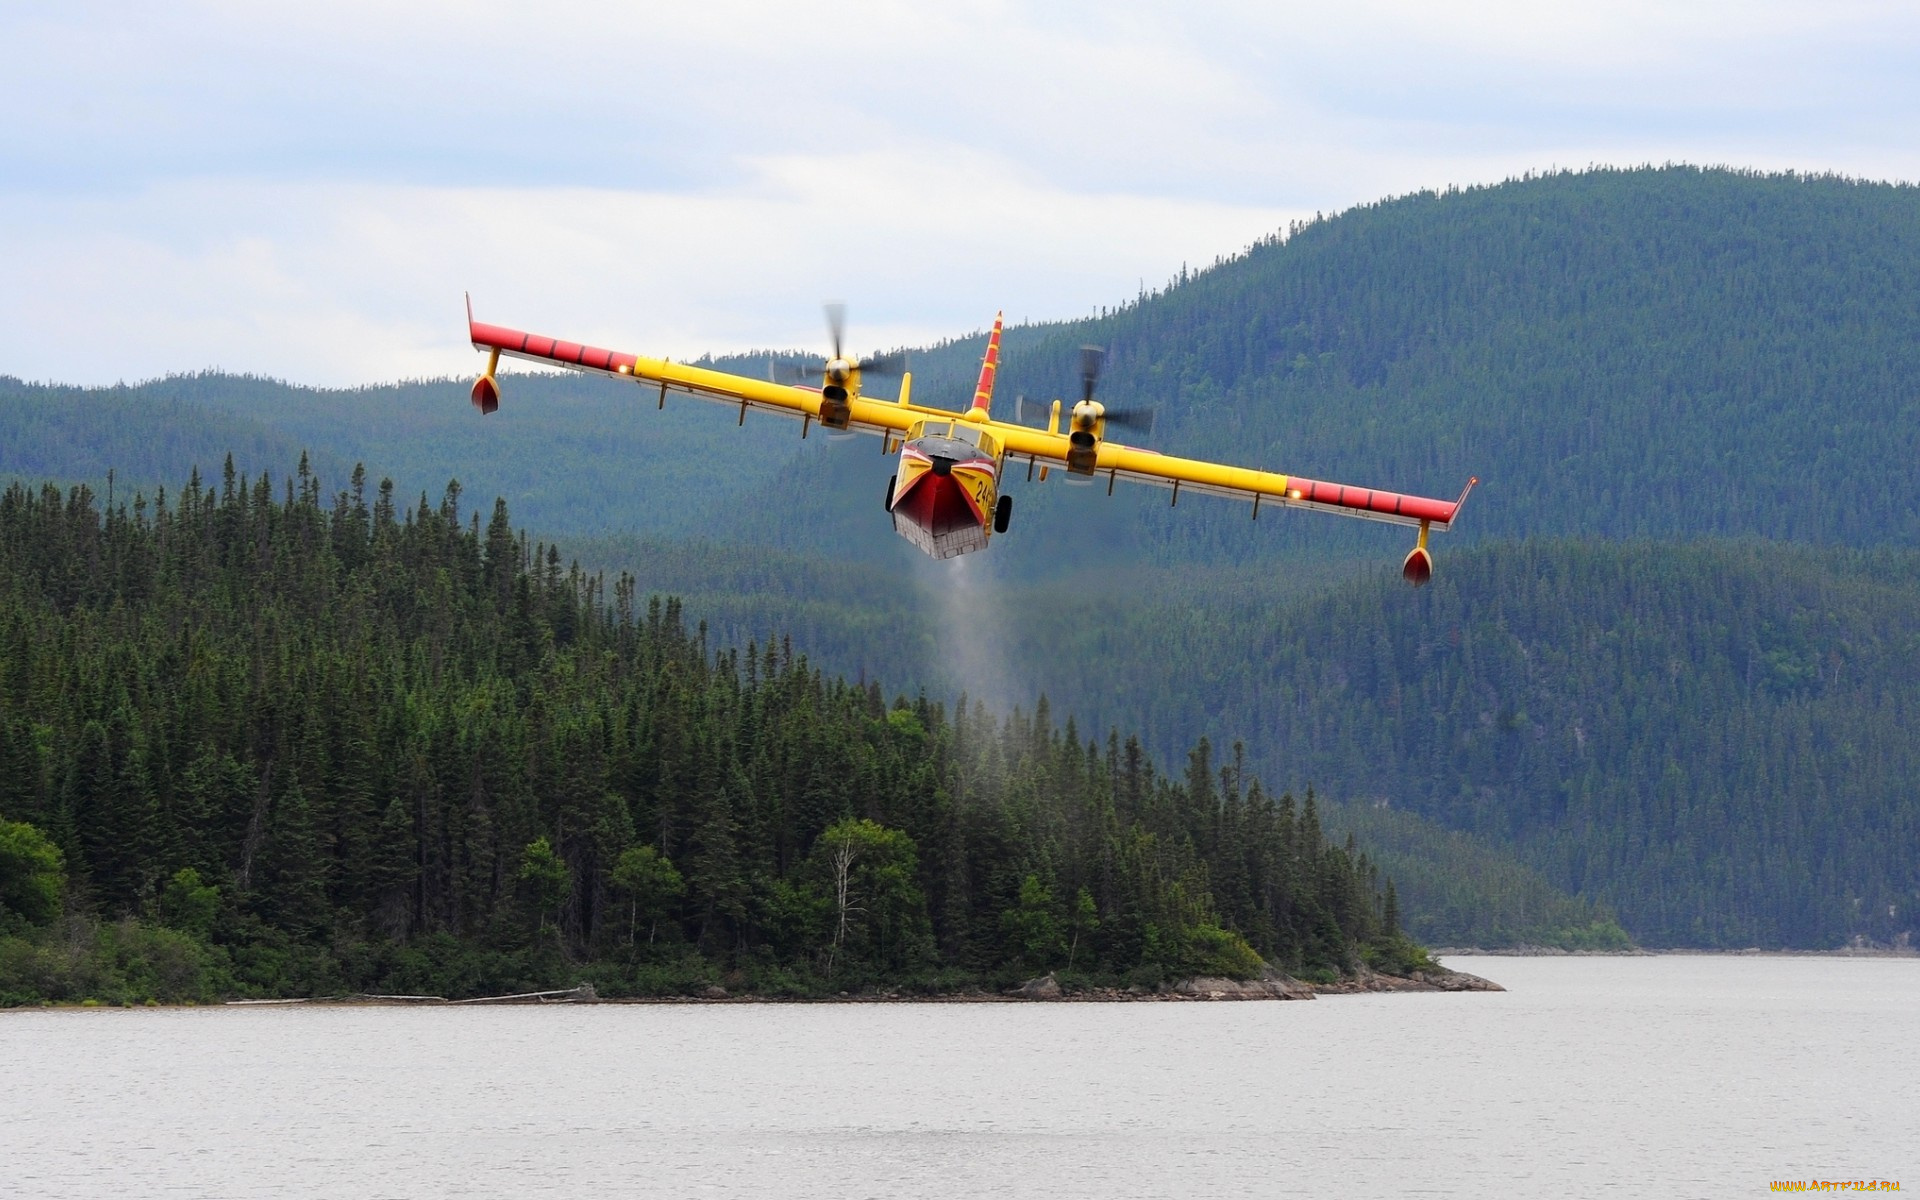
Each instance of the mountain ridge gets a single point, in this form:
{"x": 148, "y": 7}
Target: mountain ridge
{"x": 1653, "y": 352}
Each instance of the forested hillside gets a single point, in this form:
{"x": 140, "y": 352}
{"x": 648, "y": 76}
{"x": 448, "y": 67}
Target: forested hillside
{"x": 1718, "y": 741}
{"x": 574, "y": 452}
{"x": 330, "y": 743}
{"x": 1714, "y": 740}
{"x": 1670, "y": 353}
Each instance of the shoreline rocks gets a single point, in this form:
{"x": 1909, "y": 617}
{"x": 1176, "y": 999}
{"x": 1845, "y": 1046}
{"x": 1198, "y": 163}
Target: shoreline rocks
{"x": 1272, "y": 985}
{"x": 1044, "y": 988}
{"x": 1366, "y": 980}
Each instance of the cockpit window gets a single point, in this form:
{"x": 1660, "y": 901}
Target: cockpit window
{"x": 955, "y": 431}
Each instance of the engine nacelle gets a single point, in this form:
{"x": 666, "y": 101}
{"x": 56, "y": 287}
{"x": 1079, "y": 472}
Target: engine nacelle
{"x": 1083, "y": 453}
{"x": 1083, "y": 437}
{"x": 836, "y": 411}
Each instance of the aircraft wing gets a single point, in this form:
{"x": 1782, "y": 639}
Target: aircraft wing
{"x": 662, "y": 378}
{"x": 1117, "y": 463}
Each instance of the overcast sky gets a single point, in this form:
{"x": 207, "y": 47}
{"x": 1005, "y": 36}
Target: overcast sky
{"x": 305, "y": 190}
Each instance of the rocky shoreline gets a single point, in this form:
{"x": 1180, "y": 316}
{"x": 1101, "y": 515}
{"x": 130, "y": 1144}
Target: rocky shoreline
{"x": 1438, "y": 980}
{"x": 1273, "y": 985}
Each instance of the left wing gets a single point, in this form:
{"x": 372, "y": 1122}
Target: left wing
{"x": 1115, "y": 462}
{"x": 1292, "y": 491}
{"x": 1051, "y": 450}
{"x": 662, "y": 377}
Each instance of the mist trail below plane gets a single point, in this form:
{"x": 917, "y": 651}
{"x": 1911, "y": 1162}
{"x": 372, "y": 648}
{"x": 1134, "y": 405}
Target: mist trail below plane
{"x": 972, "y": 652}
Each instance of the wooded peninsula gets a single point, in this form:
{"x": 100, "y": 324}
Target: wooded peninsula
{"x": 258, "y": 741}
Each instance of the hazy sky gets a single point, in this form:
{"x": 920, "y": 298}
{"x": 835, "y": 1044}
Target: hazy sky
{"x": 305, "y": 190}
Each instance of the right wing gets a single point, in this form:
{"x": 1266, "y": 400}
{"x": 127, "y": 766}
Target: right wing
{"x": 662, "y": 377}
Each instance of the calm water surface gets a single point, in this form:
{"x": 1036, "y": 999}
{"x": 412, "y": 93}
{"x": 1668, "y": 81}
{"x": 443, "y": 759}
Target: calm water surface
{"x": 1654, "y": 1076}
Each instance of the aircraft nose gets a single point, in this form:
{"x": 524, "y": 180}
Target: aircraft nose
{"x": 942, "y": 465}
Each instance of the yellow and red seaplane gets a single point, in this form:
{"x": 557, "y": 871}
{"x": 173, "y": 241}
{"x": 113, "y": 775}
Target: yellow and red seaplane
{"x": 946, "y": 495}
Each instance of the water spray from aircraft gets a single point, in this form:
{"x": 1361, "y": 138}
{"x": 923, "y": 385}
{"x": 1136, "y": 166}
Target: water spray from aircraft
{"x": 968, "y": 602}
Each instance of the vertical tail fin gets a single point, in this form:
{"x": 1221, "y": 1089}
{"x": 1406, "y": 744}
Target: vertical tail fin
{"x": 983, "y": 391}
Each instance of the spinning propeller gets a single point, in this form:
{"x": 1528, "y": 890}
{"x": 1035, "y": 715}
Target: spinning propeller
{"x": 876, "y": 364}
{"x": 1090, "y": 411}
{"x": 1032, "y": 412}
{"x": 1089, "y": 420}
{"x": 1087, "y": 416}
{"x": 839, "y": 369}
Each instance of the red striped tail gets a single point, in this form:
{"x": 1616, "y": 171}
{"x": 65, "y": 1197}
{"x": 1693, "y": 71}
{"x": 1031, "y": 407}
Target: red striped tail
{"x": 983, "y": 391}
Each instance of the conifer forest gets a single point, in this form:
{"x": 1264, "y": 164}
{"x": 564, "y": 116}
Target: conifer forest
{"x": 265, "y": 741}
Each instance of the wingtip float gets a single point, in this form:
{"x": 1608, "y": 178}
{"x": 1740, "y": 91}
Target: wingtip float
{"x": 945, "y": 496}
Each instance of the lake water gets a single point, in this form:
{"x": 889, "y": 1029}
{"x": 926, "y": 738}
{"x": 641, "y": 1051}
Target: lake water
{"x": 1668, "y": 1076}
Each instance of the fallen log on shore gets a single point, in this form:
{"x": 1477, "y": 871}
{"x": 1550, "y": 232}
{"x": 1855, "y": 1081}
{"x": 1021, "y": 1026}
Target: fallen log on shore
{"x": 583, "y": 994}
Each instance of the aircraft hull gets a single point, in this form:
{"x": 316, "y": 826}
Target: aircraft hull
{"x": 942, "y": 498}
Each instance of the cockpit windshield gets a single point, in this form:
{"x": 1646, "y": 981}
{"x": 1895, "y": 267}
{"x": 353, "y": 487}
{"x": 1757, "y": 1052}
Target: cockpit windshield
{"x": 959, "y": 431}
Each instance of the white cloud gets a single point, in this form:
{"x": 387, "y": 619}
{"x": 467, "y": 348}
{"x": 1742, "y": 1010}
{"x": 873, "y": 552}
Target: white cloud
{"x": 304, "y": 188}
{"x": 330, "y": 283}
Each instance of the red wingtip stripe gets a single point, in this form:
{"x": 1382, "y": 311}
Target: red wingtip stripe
{"x": 546, "y": 349}
{"x": 1419, "y": 508}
